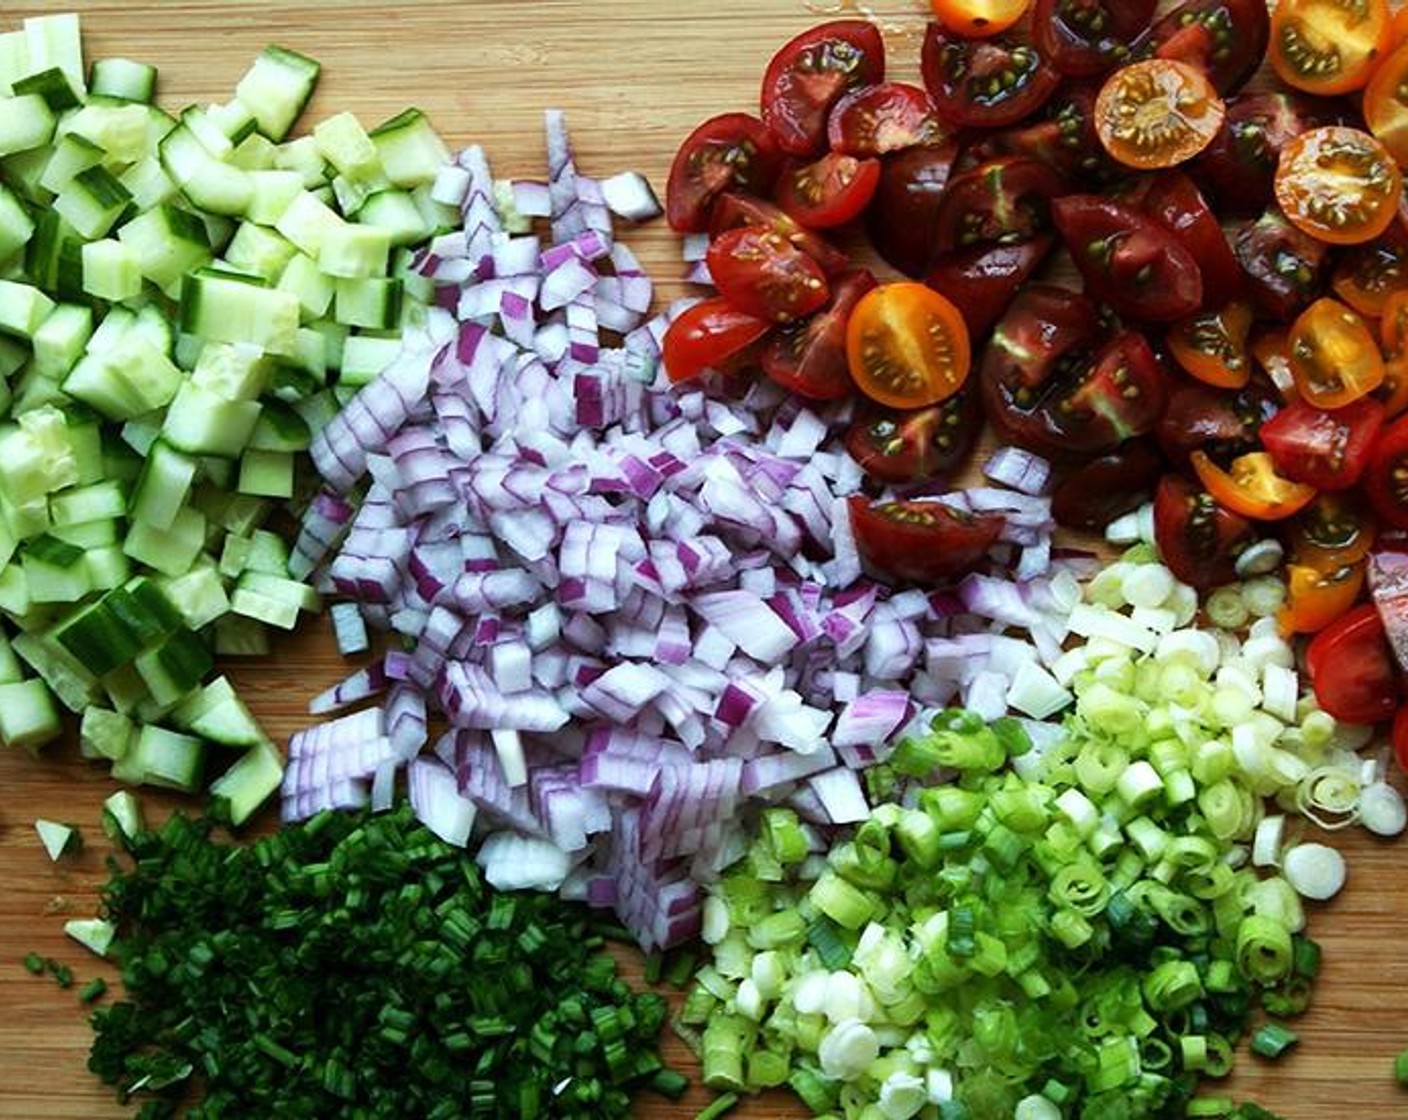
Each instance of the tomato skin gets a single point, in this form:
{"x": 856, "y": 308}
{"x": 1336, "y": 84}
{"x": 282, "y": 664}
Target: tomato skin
{"x": 706, "y": 335}
{"x": 903, "y": 215}
{"x": 1283, "y": 267}
{"x": 1187, "y": 110}
{"x": 1226, "y": 39}
{"x": 1096, "y": 492}
{"x": 732, "y": 151}
{"x": 921, "y": 541}
{"x": 830, "y": 192}
{"x": 1003, "y": 201}
{"x": 1222, "y": 422}
{"x": 977, "y": 19}
{"x": 907, "y": 346}
{"x": 1198, "y": 539}
{"x": 1339, "y": 185}
{"x": 1238, "y": 167}
{"x": 1352, "y": 668}
{"x": 1212, "y": 345}
{"x": 1324, "y": 449}
{"x": 1173, "y": 199}
{"x": 1319, "y": 47}
{"x": 733, "y": 210}
{"x": 958, "y": 74}
{"x": 1386, "y": 478}
{"x": 1334, "y": 357}
{"x": 1129, "y": 261}
{"x": 763, "y": 274}
{"x": 981, "y": 280}
{"x": 1315, "y": 598}
{"x": 905, "y": 448}
{"x": 1366, "y": 276}
{"x": 1386, "y": 103}
{"x": 810, "y": 73}
{"x": 1061, "y": 31}
{"x": 889, "y": 117}
{"x": 809, "y": 358}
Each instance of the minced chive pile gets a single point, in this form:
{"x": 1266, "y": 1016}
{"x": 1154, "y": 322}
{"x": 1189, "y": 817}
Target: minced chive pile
{"x": 358, "y": 966}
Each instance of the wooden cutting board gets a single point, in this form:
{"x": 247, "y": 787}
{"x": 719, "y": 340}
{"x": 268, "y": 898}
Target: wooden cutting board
{"x": 635, "y": 77}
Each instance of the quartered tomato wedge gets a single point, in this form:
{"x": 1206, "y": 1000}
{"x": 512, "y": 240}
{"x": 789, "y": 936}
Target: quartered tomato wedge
{"x": 1222, "y": 422}
{"x": 729, "y": 152}
{"x": 921, "y": 541}
{"x": 1108, "y": 486}
{"x": 982, "y": 280}
{"x": 1334, "y": 357}
{"x": 1271, "y": 351}
{"x": 1335, "y": 530}
{"x": 907, "y": 346}
{"x": 1212, "y": 345}
{"x": 1367, "y": 275}
{"x": 830, "y": 192}
{"x": 810, "y": 357}
{"x": 1386, "y": 102}
{"x": 1386, "y": 478}
{"x": 1225, "y": 39}
{"x": 1083, "y": 38}
{"x": 1238, "y": 167}
{"x": 811, "y": 73}
{"x": 1064, "y": 138}
{"x": 903, "y": 448}
{"x": 1157, "y": 113}
{"x": 1324, "y": 449}
{"x": 1003, "y": 201}
{"x": 1174, "y": 200}
{"x": 1353, "y": 670}
{"x": 903, "y": 215}
{"x": 706, "y": 336}
{"x": 977, "y": 19}
{"x": 1328, "y": 46}
{"x": 1251, "y": 487}
{"x": 763, "y": 274}
{"x": 1283, "y": 266}
{"x": 1198, "y": 538}
{"x": 1338, "y": 184}
{"x": 890, "y": 117}
{"x": 1315, "y": 598}
{"x": 1128, "y": 260}
{"x": 985, "y": 83}
{"x": 733, "y": 210}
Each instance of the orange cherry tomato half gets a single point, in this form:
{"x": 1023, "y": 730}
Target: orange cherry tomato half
{"x": 1315, "y": 598}
{"x": 977, "y": 19}
{"x": 1386, "y": 102}
{"x": 907, "y": 346}
{"x": 1334, "y": 530}
{"x": 1271, "y": 351}
{"x": 1328, "y": 46}
{"x": 1251, "y": 486}
{"x": 1212, "y": 345}
{"x": 1367, "y": 275}
{"x": 1393, "y": 334}
{"x": 1398, "y": 29}
{"x": 1334, "y": 357}
{"x": 1157, "y": 113}
{"x": 1338, "y": 184}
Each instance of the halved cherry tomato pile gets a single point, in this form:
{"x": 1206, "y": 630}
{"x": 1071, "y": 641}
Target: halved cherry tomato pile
{"x": 1237, "y": 347}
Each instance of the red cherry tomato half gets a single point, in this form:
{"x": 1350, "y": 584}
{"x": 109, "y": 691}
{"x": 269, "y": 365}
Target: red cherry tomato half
{"x": 1386, "y": 478}
{"x": 1353, "y": 670}
{"x": 811, "y": 73}
{"x": 706, "y": 336}
{"x": 902, "y": 217}
{"x": 1063, "y": 138}
{"x": 1136, "y": 265}
{"x": 733, "y": 210}
{"x": 763, "y": 274}
{"x": 1198, "y": 539}
{"x": 904, "y": 448}
{"x": 1002, "y": 201}
{"x": 1108, "y": 486}
{"x": 1174, "y": 200}
{"x": 921, "y": 541}
{"x": 1238, "y": 167}
{"x": 981, "y": 280}
{"x": 1225, "y": 39}
{"x": 1083, "y": 38}
{"x": 810, "y": 357}
{"x": 1221, "y": 422}
{"x": 830, "y": 192}
{"x": 878, "y": 120}
{"x": 1324, "y": 449}
{"x": 985, "y": 83}
{"x": 1283, "y": 266}
{"x": 729, "y": 152}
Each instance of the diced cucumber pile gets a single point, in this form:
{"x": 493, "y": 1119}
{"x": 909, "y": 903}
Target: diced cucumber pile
{"x": 176, "y": 296}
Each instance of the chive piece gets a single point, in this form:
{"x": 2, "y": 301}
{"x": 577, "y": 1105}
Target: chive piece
{"x": 718, "y": 1107}
{"x": 654, "y": 963}
{"x": 1400, "y": 1069}
{"x": 670, "y": 1083}
{"x": 34, "y": 963}
{"x": 1272, "y": 1040}
{"x": 680, "y": 967}
{"x": 94, "y": 990}
{"x": 60, "y": 972}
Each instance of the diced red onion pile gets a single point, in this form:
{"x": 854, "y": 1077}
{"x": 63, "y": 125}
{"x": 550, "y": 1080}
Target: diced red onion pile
{"x": 638, "y": 606}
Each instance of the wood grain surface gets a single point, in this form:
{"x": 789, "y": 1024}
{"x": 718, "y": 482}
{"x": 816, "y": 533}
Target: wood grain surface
{"x": 635, "y": 76}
